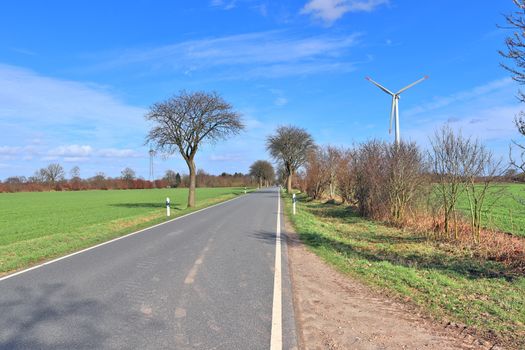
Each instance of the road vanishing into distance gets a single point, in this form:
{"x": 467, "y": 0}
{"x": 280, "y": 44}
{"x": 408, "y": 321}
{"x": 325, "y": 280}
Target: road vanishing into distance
{"x": 202, "y": 281}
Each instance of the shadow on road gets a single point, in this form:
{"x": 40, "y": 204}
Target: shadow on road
{"x": 34, "y": 319}
{"x": 268, "y": 237}
{"x": 55, "y": 316}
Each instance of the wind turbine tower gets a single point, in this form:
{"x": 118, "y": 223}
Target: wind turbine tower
{"x": 394, "y": 114}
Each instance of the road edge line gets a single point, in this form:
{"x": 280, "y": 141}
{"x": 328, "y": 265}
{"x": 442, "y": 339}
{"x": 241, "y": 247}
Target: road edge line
{"x": 276, "y": 340}
{"x": 113, "y": 240}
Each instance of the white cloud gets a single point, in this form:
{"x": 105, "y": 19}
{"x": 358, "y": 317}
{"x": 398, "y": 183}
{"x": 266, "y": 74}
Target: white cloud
{"x": 252, "y": 123}
{"x": 490, "y": 124}
{"x": 12, "y": 151}
{"x": 330, "y": 11}
{"x": 46, "y": 119}
{"x": 76, "y": 159}
{"x": 8, "y": 150}
{"x": 119, "y": 153}
{"x": 280, "y": 101}
{"x": 225, "y": 157}
{"x": 485, "y": 112}
{"x": 462, "y": 96}
{"x": 72, "y": 151}
{"x": 68, "y": 153}
{"x": 263, "y": 9}
{"x": 261, "y": 54}
{"x": 226, "y": 5}
{"x": 59, "y": 109}
{"x": 298, "y": 69}
{"x": 84, "y": 151}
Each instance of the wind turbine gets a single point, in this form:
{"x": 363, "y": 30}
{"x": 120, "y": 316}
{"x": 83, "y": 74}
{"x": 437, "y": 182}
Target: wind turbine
{"x": 395, "y": 103}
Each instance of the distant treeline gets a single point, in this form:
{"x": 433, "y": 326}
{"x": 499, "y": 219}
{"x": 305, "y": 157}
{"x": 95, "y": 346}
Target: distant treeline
{"x": 52, "y": 178}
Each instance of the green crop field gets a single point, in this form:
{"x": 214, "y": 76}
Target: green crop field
{"x": 505, "y": 208}
{"x": 37, "y": 226}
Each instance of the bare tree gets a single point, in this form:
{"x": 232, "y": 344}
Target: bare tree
{"x": 187, "y": 120}
{"x": 371, "y": 177}
{"x": 446, "y": 159}
{"x": 405, "y": 179}
{"x": 333, "y": 157}
{"x": 346, "y": 175}
{"x": 318, "y": 172}
{"x": 280, "y": 174}
{"x": 128, "y": 175}
{"x": 52, "y": 174}
{"x": 74, "y": 173}
{"x": 173, "y": 179}
{"x": 481, "y": 169}
{"x": 464, "y": 165}
{"x": 269, "y": 174}
{"x": 38, "y": 177}
{"x": 263, "y": 171}
{"x": 289, "y": 146}
{"x": 515, "y": 52}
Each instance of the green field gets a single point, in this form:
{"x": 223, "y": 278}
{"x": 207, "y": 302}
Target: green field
{"x": 37, "y": 226}
{"x": 505, "y": 209}
{"x": 446, "y": 281}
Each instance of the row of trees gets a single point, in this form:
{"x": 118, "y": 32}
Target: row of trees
{"x": 262, "y": 170}
{"x": 53, "y": 177}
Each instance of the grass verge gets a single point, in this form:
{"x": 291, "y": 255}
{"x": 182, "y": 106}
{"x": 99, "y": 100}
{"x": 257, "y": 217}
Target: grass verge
{"x": 442, "y": 279}
{"x": 35, "y": 227}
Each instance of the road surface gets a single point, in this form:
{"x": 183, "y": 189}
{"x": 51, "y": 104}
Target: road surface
{"x": 203, "y": 281}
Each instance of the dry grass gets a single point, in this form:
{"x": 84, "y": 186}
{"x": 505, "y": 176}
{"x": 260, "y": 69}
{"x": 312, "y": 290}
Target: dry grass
{"x": 494, "y": 245}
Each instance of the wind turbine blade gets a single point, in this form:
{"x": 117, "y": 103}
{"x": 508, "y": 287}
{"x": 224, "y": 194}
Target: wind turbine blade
{"x": 414, "y": 83}
{"x": 379, "y": 86}
{"x": 392, "y": 113}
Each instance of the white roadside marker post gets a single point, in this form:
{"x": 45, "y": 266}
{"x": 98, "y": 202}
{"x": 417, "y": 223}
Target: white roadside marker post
{"x": 293, "y": 201}
{"x": 168, "y": 213}
{"x": 245, "y": 190}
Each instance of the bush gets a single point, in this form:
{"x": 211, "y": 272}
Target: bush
{"x": 383, "y": 181}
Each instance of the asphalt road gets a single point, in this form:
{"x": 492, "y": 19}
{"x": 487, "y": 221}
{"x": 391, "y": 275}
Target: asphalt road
{"x": 204, "y": 281}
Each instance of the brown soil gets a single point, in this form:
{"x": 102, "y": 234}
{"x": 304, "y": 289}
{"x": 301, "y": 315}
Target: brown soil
{"x": 334, "y": 311}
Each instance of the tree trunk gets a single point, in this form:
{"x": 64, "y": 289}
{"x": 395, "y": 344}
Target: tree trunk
{"x": 289, "y": 182}
{"x": 193, "y": 181}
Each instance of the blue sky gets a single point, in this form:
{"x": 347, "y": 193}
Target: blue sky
{"x": 76, "y": 78}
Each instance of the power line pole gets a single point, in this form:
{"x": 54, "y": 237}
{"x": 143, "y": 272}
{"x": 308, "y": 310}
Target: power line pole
{"x": 151, "y": 163}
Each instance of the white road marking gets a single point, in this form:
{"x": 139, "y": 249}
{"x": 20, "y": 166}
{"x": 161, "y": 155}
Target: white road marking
{"x": 276, "y": 342}
{"x": 190, "y": 278}
{"x": 180, "y": 312}
{"x": 111, "y": 241}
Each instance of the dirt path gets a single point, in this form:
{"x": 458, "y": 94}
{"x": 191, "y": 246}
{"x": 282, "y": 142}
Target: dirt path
{"x": 334, "y": 311}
